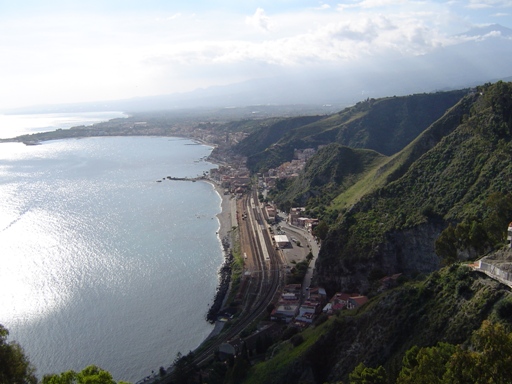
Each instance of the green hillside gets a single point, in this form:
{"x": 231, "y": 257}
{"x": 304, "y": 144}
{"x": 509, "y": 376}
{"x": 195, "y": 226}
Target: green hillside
{"x": 448, "y": 306}
{"x": 444, "y": 197}
{"x": 269, "y": 133}
{"x": 464, "y": 177}
{"x": 384, "y": 125}
{"x": 334, "y": 169}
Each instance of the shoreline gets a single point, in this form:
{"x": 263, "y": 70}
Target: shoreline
{"x": 225, "y": 224}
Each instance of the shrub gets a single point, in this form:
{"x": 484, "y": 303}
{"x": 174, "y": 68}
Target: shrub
{"x": 504, "y": 310}
{"x": 297, "y": 340}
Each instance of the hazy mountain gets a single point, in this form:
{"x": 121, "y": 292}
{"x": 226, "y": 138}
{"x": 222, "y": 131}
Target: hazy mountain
{"x": 481, "y": 55}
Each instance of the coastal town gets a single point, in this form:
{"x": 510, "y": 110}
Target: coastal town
{"x": 273, "y": 294}
{"x": 267, "y": 291}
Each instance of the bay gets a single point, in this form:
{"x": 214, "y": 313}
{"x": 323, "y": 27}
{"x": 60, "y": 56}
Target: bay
{"x": 103, "y": 259}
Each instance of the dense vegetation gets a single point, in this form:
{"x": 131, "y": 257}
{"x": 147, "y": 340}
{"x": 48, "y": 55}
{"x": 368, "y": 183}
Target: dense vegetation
{"x": 444, "y": 196}
{"x": 384, "y": 125}
{"x": 463, "y": 179}
{"x": 448, "y": 307}
{"x": 14, "y": 365}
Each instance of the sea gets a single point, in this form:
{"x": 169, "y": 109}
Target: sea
{"x": 103, "y": 259}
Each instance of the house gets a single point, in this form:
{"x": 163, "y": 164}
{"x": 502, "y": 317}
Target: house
{"x": 293, "y": 288}
{"x": 341, "y": 301}
{"x": 317, "y": 294}
{"x": 287, "y": 296}
{"x": 305, "y": 316}
{"x": 356, "y": 302}
{"x": 294, "y": 216}
{"x": 285, "y": 311}
{"x": 308, "y": 311}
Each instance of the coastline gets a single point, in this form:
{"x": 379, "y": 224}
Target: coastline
{"x": 223, "y": 233}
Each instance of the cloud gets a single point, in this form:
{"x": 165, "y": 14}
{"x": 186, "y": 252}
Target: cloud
{"x": 370, "y": 4}
{"x": 483, "y": 4}
{"x": 259, "y": 20}
{"x": 172, "y": 50}
{"x": 322, "y": 7}
{"x": 175, "y": 16}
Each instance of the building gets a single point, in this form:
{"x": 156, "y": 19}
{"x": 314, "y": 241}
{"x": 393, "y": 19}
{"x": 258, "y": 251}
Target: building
{"x": 288, "y": 305}
{"x": 356, "y": 302}
{"x": 294, "y": 216}
{"x": 271, "y": 212}
{"x": 282, "y": 241}
{"x": 285, "y": 311}
{"x": 344, "y": 301}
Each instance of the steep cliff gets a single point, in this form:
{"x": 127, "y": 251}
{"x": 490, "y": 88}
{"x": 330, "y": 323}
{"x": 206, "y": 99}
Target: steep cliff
{"x": 450, "y": 180}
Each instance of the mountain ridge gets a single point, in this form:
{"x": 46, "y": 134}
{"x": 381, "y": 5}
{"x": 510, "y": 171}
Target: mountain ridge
{"x": 454, "y": 66}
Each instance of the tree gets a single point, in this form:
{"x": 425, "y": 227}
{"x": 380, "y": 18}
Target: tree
{"x": 321, "y": 230}
{"x": 366, "y": 375}
{"x": 446, "y": 245}
{"x": 490, "y": 360}
{"x": 426, "y": 365}
{"x": 499, "y": 208}
{"x": 89, "y": 375}
{"x": 487, "y": 361}
{"x": 15, "y": 368}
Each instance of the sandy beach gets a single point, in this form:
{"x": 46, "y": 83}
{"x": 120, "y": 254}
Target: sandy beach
{"x": 227, "y": 219}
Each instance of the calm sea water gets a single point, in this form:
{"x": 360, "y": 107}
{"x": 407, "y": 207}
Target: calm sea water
{"x": 16, "y": 125}
{"x": 100, "y": 263}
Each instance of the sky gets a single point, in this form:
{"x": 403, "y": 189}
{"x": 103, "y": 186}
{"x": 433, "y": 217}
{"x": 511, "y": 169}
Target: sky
{"x": 58, "y": 51}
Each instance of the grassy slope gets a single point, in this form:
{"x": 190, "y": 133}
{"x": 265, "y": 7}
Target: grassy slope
{"x": 334, "y": 169}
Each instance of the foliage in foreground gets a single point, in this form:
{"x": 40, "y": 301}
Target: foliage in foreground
{"x": 15, "y": 368}
{"x": 487, "y": 360}
{"x": 89, "y": 375}
{"x": 14, "y": 365}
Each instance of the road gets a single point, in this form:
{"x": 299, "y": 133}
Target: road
{"x": 308, "y": 243}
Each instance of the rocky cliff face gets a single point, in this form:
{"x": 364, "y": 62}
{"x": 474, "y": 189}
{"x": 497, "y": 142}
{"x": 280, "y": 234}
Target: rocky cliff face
{"x": 410, "y": 251}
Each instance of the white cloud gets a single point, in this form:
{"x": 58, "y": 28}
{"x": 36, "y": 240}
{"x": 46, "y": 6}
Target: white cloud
{"x": 260, "y": 20}
{"x": 322, "y": 7}
{"x": 370, "y": 4}
{"x": 127, "y": 54}
{"x": 482, "y": 4}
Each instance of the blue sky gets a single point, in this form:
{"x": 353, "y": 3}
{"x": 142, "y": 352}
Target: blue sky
{"x": 74, "y": 51}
